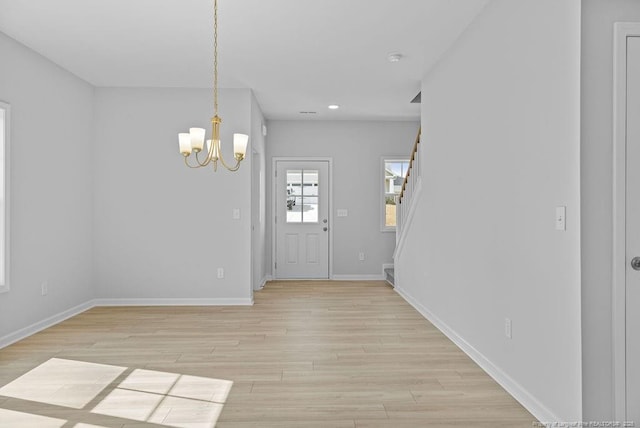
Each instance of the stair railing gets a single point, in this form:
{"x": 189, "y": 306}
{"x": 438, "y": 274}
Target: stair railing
{"x": 405, "y": 199}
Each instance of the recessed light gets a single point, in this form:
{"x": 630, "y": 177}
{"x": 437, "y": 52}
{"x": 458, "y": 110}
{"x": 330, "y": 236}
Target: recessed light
{"x": 334, "y": 107}
{"x": 394, "y": 57}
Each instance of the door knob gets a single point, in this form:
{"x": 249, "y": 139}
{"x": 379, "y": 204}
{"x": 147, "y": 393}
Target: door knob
{"x": 326, "y": 228}
{"x": 635, "y": 263}
{"x": 324, "y": 221}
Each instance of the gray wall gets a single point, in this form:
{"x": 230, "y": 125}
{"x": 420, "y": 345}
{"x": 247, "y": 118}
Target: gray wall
{"x": 162, "y": 229}
{"x": 51, "y": 182}
{"x": 598, "y": 17}
{"x": 258, "y": 196}
{"x": 501, "y": 129}
{"x": 356, "y": 148}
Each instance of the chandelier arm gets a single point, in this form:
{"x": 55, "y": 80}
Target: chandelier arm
{"x": 206, "y": 161}
{"x": 235, "y": 168}
{"x": 186, "y": 162}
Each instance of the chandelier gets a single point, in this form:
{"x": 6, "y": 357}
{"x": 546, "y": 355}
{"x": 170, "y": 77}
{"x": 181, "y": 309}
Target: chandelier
{"x": 193, "y": 141}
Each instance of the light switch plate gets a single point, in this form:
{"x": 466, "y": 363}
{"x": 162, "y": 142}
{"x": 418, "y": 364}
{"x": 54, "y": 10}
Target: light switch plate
{"x": 236, "y": 213}
{"x": 342, "y": 213}
{"x": 561, "y": 218}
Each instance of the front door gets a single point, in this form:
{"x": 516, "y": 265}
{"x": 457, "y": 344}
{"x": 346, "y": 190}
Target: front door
{"x": 302, "y": 219}
{"x": 633, "y": 231}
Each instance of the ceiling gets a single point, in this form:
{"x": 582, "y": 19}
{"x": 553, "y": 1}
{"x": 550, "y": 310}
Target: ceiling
{"x": 296, "y": 55}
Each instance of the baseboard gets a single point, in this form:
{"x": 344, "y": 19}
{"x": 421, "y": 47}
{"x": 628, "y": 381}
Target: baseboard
{"x": 264, "y": 281}
{"x": 531, "y": 403}
{"x": 25, "y": 332}
{"x": 373, "y": 277}
{"x": 384, "y": 274}
{"x": 174, "y": 302}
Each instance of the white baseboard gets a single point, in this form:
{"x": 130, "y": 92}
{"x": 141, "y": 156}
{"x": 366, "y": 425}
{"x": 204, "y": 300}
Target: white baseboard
{"x": 373, "y": 277}
{"x": 25, "y": 332}
{"x": 174, "y": 302}
{"x": 264, "y": 281}
{"x": 531, "y": 403}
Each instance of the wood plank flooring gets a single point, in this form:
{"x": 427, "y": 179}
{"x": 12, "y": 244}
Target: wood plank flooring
{"x": 307, "y": 354}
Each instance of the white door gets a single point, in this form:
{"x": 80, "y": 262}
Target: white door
{"x": 302, "y": 219}
{"x": 633, "y": 231}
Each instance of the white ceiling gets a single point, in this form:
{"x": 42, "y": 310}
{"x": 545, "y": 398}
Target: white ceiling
{"x": 297, "y": 55}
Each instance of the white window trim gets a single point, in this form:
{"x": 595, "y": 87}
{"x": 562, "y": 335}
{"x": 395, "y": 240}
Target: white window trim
{"x": 5, "y": 231}
{"x": 383, "y": 193}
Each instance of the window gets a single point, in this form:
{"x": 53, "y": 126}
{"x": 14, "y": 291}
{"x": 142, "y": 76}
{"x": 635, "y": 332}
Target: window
{"x": 393, "y": 172}
{"x": 4, "y": 199}
{"x": 302, "y": 196}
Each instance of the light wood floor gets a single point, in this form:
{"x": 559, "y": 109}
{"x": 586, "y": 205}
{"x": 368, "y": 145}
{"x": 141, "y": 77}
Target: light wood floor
{"x": 307, "y": 354}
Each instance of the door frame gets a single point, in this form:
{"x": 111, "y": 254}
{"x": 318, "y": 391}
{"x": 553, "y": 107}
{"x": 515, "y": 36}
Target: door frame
{"x": 622, "y": 31}
{"x": 274, "y": 197}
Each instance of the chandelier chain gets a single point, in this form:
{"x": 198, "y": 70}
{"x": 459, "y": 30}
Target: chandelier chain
{"x": 194, "y": 141}
{"x": 215, "y": 57}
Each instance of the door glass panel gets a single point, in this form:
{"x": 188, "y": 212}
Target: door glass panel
{"x": 294, "y": 196}
{"x": 310, "y": 196}
{"x": 302, "y": 196}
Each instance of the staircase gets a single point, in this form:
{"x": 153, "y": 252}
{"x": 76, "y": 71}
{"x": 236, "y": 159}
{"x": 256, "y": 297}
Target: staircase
{"x": 388, "y": 276}
{"x": 410, "y": 187}
{"x": 405, "y": 204}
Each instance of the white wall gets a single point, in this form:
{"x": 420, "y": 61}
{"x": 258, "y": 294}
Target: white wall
{"x": 356, "y": 148}
{"x": 501, "y": 139}
{"x": 598, "y": 17}
{"x": 51, "y": 181}
{"x": 258, "y": 196}
{"x": 162, "y": 229}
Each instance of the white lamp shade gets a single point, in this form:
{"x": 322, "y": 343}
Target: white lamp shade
{"x": 197, "y": 138}
{"x": 184, "y": 141}
{"x": 240, "y": 143}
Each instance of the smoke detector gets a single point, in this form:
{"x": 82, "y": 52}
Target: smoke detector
{"x": 394, "y": 57}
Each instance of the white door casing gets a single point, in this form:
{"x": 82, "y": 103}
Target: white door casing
{"x": 626, "y": 245}
{"x": 632, "y": 330}
{"x": 257, "y": 250}
{"x": 302, "y": 199}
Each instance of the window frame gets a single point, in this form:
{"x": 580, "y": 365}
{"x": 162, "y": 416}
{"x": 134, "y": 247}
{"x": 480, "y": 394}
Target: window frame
{"x": 382, "y": 190}
{"x": 5, "y": 139}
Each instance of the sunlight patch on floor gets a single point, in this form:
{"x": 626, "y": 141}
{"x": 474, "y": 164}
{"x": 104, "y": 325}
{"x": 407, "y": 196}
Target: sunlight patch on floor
{"x": 162, "y": 398}
{"x": 63, "y": 382}
{"x": 12, "y": 419}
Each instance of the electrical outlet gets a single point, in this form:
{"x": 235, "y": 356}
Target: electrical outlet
{"x": 220, "y": 273}
{"x": 507, "y": 328}
{"x": 361, "y": 257}
{"x": 45, "y": 288}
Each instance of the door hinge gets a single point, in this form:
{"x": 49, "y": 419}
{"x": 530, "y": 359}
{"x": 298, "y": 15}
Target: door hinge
{"x": 275, "y": 173}
{"x": 275, "y": 265}
{"x": 275, "y": 219}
